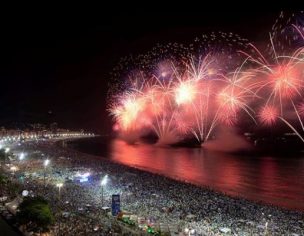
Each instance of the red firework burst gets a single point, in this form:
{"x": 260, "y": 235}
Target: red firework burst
{"x": 268, "y": 115}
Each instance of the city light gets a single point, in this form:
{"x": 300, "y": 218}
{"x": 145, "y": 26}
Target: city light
{"x": 83, "y": 177}
{"x": 103, "y": 183}
{"x": 59, "y": 186}
{"x": 13, "y": 168}
{"x": 46, "y": 162}
{"x": 104, "y": 180}
{"x": 21, "y": 156}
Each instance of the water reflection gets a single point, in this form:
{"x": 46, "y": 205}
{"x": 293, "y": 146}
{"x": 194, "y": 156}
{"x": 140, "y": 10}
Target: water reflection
{"x": 277, "y": 181}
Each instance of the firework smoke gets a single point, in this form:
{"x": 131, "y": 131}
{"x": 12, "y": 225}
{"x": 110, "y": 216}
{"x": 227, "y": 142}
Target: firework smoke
{"x": 178, "y": 92}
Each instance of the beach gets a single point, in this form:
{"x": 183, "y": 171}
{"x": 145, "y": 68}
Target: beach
{"x": 167, "y": 204}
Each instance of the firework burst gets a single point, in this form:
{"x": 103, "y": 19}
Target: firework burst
{"x": 176, "y": 91}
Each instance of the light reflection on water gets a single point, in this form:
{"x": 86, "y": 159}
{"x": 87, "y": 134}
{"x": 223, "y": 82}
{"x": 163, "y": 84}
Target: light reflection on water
{"x": 278, "y": 181}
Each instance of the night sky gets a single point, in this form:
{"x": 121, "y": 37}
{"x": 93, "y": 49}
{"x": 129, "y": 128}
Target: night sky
{"x": 55, "y": 66}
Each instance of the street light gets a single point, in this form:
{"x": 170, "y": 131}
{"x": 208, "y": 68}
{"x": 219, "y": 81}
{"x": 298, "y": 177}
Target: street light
{"x": 7, "y": 150}
{"x": 103, "y": 183}
{"x": 189, "y": 231}
{"x": 21, "y": 156}
{"x": 45, "y": 164}
{"x": 59, "y": 186}
{"x": 14, "y": 169}
{"x": 267, "y": 219}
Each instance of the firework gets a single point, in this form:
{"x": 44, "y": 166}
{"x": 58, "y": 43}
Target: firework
{"x": 185, "y": 93}
{"x": 176, "y": 91}
{"x": 268, "y": 115}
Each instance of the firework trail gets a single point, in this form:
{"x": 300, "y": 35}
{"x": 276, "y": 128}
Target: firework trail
{"x": 282, "y": 76}
{"x": 192, "y": 96}
{"x": 179, "y": 91}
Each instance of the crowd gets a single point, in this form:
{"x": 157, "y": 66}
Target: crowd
{"x": 170, "y": 205}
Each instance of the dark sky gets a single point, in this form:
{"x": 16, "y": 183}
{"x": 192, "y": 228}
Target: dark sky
{"x": 60, "y": 62}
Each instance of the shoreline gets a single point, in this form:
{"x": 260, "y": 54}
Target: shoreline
{"x": 176, "y": 179}
{"x": 145, "y": 194}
